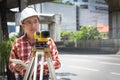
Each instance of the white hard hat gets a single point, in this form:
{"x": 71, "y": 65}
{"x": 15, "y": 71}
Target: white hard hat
{"x": 26, "y": 13}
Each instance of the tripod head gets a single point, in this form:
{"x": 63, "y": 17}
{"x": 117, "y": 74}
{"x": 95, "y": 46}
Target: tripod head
{"x": 41, "y": 39}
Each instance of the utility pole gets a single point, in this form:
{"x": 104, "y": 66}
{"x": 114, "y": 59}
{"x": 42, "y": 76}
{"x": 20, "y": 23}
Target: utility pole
{"x": 77, "y": 15}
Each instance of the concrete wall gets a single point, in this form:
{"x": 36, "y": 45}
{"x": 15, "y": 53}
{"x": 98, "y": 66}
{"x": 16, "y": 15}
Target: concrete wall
{"x": 108, "y": 44}
{"x": 114, "y": 25}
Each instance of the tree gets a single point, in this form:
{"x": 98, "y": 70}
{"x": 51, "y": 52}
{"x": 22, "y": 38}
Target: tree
{"x": 88, "y": 33}
{"x": 66, "y": 35}
{"x": 85, "y": 33}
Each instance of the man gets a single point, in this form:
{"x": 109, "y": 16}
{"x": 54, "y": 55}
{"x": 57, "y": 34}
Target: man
{"x": 22, "y": 46}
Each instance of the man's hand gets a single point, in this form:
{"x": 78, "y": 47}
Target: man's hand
{"x": 47, "y": 53}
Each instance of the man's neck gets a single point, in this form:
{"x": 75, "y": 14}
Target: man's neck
{"x": 31, "y": 39}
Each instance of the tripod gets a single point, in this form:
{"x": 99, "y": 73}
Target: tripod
{"x": 39, "y": 52}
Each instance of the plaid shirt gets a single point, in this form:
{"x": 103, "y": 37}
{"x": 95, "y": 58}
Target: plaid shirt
{"x": 22, "y": 50}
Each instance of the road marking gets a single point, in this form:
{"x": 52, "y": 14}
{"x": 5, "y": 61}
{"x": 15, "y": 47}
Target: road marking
{"x": 84, "y": 68}
{"x": 115, "y": 73}
{"x": 89, "y": 61}
{"x": 110, "y": 63}
{"x": 87, "y": 58}
{"x": 103, "y": 57}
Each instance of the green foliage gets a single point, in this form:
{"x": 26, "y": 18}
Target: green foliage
{"x": 85, "y": 33}
{"x": 78, "y": 35}
{"x": 66, "y": 35}
{"x": 59, "y": 2}
{"x": 55, "y": 0}
{"x": 89, "y": 32}
{"x": 5, "y": 48}
{"x": 13, "y": 38}
{"x": 68, "y": 2}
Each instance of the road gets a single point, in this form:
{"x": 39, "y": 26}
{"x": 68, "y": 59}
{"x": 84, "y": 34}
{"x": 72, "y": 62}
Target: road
{"x": 89, "y": 67}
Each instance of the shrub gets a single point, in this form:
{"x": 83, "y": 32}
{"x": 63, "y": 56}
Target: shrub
{"x": 5, "y": 48}
{"x": 66, "y": 35}
{"x": 89, "y": 32}
{"x": 85, "y": 33}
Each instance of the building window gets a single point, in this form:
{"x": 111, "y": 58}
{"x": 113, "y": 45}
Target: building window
{"x": 85, "y": 0}
{"x": 101, "y": 2}
{"x": 101, "y": 8}
{"x": 84, "y": 6}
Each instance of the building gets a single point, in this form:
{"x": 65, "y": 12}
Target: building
{"x": 91, "y": 12}
{"x": 90, "y": 4}
{"x": 67, "y": 12}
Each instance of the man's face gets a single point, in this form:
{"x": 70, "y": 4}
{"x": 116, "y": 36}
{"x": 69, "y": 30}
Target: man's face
{"x": 31, "y": 25}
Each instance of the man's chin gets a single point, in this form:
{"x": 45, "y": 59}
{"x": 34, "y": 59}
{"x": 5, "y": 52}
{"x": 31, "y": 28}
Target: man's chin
{"x": 33, "y": 31}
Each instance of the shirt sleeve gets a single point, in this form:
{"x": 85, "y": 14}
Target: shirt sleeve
{"x": 54, "y": 55}
{"x": 13, "y": 55}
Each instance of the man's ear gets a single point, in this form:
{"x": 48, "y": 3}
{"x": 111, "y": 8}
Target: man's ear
{"x": 22, "y": 26}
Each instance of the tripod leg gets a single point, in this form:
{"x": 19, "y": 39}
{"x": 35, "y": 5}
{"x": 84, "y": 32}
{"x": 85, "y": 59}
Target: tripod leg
{"x": 51, "y": 69}
{"x": 41, "y": 55}
{"x": 28, "y": 71}
{"x": 35, "y": 66}
{"x": 50, "y": 64}
{"x": 42, "y": 66}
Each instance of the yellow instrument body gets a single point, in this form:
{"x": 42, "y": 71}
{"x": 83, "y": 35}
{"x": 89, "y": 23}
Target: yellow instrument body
{"x": 41, "y": 36}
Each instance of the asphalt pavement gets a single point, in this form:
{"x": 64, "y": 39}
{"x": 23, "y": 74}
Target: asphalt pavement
{"x": 88, "y": 64}
{"x": 76, "y": 65}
